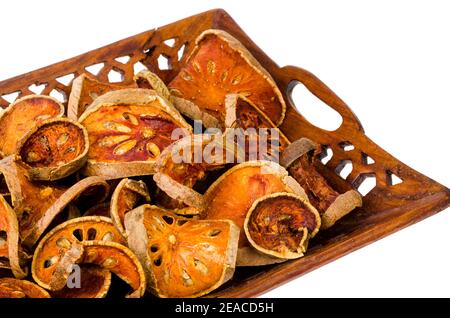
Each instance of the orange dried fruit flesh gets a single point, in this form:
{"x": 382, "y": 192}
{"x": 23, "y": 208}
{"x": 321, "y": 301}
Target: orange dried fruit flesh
{"x": 53, "y": 247}
{"x": 182, "y": 257}
{"x": 263, "y": 140}
{"x": 16, "y": 288}
{"x": 94, "y": 283}
{"x": 23, "y": 115}
{"x": 9, "y": 238}
{"x": 128, "y": 130}
{"x": 54, "y": 149}
{"x": 85, "y": 90}
{"x": 218, "y": 65}
{"x": 127, "y": 195}
{"x": 38, "y": 203}
{"x": 181, "y": 165}
{"x": 281, "y": 225}
{"x": 232, "y": 195}
{"x": 299, "y": 159}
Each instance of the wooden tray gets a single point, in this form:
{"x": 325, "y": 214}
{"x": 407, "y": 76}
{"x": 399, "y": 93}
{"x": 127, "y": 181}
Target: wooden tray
{"x": 387, "y": 207}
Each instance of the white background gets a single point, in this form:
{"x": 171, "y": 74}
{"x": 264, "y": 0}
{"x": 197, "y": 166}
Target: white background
{"x": 389, "y": 60}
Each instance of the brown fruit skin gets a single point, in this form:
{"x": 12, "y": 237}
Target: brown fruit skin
{"x": 156, "y": 234}
{"x": 95, "y": 283}
{"x": 23, "y": 115}
{"x": 281, "y": 225}
{"x": 84, "y": 91}
{"x": 16, "y": 288}
{"x": 219, "y": 64}
{"x": 51, "y": 169}
{"x": 299, "y": 159}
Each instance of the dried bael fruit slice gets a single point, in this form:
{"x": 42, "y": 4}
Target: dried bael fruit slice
{"x": 9, "y": 238}
{"x": 185, "y": 162}
{"x": 37, "y": 204}
{"x": 147, "y": 79}
{"x": 85, "y": 90}
{"x": 53, "y": 253}
{"x": 127, "y": 130}
{"x": 22, "y": 115}
{"x": 299, "y": 159}
{"x": 127, "y": 195}
{"x": 94, "y": 283}
{"x": 182, "y": 257}
{"x": 101, "y": 209}
{"x": 232, "y": 195}
{"x": 262, "y": 139}
{"x": 54, "y": 149}
{"x": 17, "y": 288}
{"x": 281, "y": 225}
{"x": 218, "y": 65}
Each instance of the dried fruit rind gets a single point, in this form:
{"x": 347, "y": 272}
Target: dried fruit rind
{"x": 127, "y": 195}
{"x": 219, "y": 64}
{"x": 23, "y": 115}
{"x": 231, "y": 196}
{"x": 85, "y": 90}
{"x": 10, "y": 248}
{"x": 182, "y": 257}
{"x": 281, "y": 224}
{"x": 331, "y": 205}
{"x": 66, "y": 239}
{"x": 17, "y": 288}
{"x": 54, "y": 149}
{"x": 128, "y": 129}
{"x": 149, "y": 80}
{"x": 94, "y": 283}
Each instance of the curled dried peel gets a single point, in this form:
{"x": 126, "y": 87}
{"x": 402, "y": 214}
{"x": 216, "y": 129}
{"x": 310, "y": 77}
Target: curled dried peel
{"x": 128, "y": 129}
{"x": 16, "y": 288}
{"x": 63, "y": 244}
{"x": 85, "y": 90}
{"x": 147, "y": 79}
{"x": 281, "y": 225}
{"x": 94, "y": 283}
{"x": 299, "y": 160}
{"x": 54, "y": 149}
{"x": 263, "y": 140}
{"x": 23, "y": 115}
{"x": 218, "y": 65}
{"x": 127, "y": 195}
{"x": 37, "y": 204}
{"x": 182, "y": 257}
{"x": 232, "y": 195}
{"x": 9, "y": 238}
{"x": 185, "y": 162}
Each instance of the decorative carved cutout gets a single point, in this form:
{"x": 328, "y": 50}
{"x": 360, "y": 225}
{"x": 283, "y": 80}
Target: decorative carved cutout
{"x": 181, "y": 52}
{"x": 95, "y": 68}
{"x": 137, "y": 67}
{"x": 66, "y": 79}
{"x": 170, "y": 42}
{"x": 115, "y": 76}
{"x": 36, "y": 89}
{"x": 346, "y": 146}
{"x": 366, "y": 159}
{"x": 326, "y": 154}
{"x": 392, "y": 178}
{"x": 163, "y": 62}
{"x": 344, "y": 168}
{"x": 59, "y": 95}
{"x": 11, "y": 97}
{"x": 365, "y": 183}
{"x": 123, "y": 59}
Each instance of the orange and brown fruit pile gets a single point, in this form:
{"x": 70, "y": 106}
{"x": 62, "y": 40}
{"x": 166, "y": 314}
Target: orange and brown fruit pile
{"x": 95, "y": 190}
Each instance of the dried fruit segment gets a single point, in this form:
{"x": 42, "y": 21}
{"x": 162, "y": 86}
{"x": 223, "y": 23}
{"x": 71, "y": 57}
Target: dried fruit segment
{"x": 299, "y": 159}
{"x": 22, "y": 115}
{"x": 261, "y": 139}
{"x": 182, "y": 257}
{"x": 187, "y": 161}
{"x": 9, "y": 238}
{"x": 37, "y": 204}
{"x": 281, "y": 225}
{"x": 218, "y": 65}
{"x": 232, "y": 195}
{"x": 57, "y": 245}
{"x": 127, "y": 195}
{"x": 85, "y": 90}
{"x": 16, "y": 288}
{"x": 147, "y": 79}
{"x": 54, "y": 149}
{"x": 128, "y": 129}
{"x": 94, "y": 283}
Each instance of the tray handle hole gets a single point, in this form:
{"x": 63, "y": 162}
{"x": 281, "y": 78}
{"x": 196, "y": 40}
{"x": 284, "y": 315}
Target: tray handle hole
{"x": 314, "y": 110}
